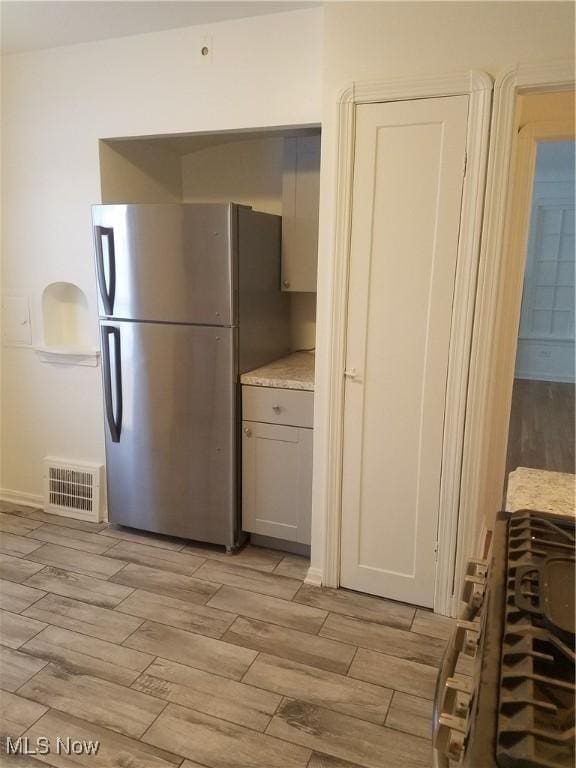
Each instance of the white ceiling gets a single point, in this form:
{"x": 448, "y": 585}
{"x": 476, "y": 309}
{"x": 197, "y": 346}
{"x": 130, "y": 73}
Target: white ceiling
{"x": 28, "y": 25}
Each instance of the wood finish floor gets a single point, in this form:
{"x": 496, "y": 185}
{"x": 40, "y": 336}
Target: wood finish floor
{"x": 541, "y": 434}
{"x": 171, "y": 654}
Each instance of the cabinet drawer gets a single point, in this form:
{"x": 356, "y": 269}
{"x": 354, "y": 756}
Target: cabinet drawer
{"x": 292, "y": 407}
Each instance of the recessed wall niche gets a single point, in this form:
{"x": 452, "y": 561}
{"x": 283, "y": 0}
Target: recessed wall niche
{"x": 66, "y": 325}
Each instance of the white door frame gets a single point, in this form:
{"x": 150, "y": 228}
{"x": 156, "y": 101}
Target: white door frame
{"x": 329, "y": 440}
{"x": 483, "y": 466}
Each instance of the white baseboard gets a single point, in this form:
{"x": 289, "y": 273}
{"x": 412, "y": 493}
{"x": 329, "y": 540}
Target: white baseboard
{"x": 20, "y": 497}
{"x": 314, "y": 577}
{"x": 539, "y": 376}
{"x": 75, "y": 514}
{"x": 35, "y": 500}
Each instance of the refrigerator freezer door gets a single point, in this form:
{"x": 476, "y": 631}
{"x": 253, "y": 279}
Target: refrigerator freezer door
{"x": 166, "y": 263}
{"x": 170, "y": 399}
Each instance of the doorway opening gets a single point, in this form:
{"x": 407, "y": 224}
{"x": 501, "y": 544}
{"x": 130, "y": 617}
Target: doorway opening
{"x": 541, "y": 430}
{"x": 536, "y": 359}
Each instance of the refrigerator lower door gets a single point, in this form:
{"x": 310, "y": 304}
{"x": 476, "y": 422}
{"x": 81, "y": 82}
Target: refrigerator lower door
{"x": 170, "y": 400}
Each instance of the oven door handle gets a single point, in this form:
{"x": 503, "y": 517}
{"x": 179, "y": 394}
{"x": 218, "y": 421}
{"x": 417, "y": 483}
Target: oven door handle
{"x": 447, "y": 668}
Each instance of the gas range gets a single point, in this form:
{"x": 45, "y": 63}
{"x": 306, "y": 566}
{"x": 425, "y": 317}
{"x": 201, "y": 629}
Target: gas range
{"x": 517, "y": 708}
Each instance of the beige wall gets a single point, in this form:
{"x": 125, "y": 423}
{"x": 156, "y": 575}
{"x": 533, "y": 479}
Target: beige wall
{"x": 383, "y": 40}
{"x": 57, "y": 104}
{"x": 139, "y": 172}
{"x": 248, "y": 172}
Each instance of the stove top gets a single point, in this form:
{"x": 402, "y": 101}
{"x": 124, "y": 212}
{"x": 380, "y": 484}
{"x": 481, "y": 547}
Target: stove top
{"x": 535, "y": 719}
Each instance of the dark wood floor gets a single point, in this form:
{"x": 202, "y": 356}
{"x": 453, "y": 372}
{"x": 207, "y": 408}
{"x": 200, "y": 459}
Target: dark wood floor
{"x": 541, "y": 426}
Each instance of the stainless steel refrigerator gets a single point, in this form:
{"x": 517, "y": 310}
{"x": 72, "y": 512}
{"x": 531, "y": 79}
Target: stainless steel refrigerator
{"x": 189, "y": 297}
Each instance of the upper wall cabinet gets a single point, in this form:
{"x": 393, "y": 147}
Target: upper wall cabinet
{"x": 300, "y": 199}
{"x": 272, "y": 171}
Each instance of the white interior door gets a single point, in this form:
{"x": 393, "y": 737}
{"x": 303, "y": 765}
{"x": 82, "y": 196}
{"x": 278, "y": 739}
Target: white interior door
{"x": 408, "y": 177}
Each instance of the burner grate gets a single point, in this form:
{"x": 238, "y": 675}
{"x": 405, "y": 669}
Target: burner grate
{"x": 537, "y": 680}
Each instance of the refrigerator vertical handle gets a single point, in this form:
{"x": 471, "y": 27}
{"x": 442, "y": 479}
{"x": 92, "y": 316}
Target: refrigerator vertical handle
{"x": 107, "y": 289}
{"x": 114, "y": 419}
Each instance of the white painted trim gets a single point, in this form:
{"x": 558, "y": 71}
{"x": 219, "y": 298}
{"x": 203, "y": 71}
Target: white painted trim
{"x": 314, "y": 577}
{"x": 76, "y": 514}
{"x": 529, "y": 376}
{"x": 329, "y": 449}
{"x": 450, "y": 521}
{"x": 21, "y": 498}
{"x": 549, "y": 340}
{"x": 330, "y": 505}
{"x": 16, "y": 345}
{"x": 480, "y": 493}
{"x": 67, "y": 357}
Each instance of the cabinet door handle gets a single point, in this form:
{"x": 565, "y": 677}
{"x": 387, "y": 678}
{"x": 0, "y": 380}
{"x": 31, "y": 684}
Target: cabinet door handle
{"x": 276, "y": 408}
{"x": 247, "y": 432}
{"x": 351, "y": 373}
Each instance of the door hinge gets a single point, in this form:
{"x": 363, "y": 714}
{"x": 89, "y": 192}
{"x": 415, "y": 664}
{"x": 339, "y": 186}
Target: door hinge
{"x": 465, "y": 163}
{"x": 436, "y": 551}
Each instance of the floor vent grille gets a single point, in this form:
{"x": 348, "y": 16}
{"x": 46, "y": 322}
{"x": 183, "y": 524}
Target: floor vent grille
{"x": 72, "y": 490}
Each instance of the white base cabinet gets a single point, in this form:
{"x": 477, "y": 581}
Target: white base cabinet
{"x": 276, "y": 476}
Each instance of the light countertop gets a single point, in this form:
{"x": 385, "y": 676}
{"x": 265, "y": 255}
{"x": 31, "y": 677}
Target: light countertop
{"x": 541, "y": 490}
{"x": 296, "y": 371}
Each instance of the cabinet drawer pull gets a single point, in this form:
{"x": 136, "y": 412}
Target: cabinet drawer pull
{"x": 294, "y": 408}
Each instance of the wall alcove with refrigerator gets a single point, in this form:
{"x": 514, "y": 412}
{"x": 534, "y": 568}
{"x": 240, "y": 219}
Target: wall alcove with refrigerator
{"x": 206, "y": 256}
{"x": 273, "y": 171}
